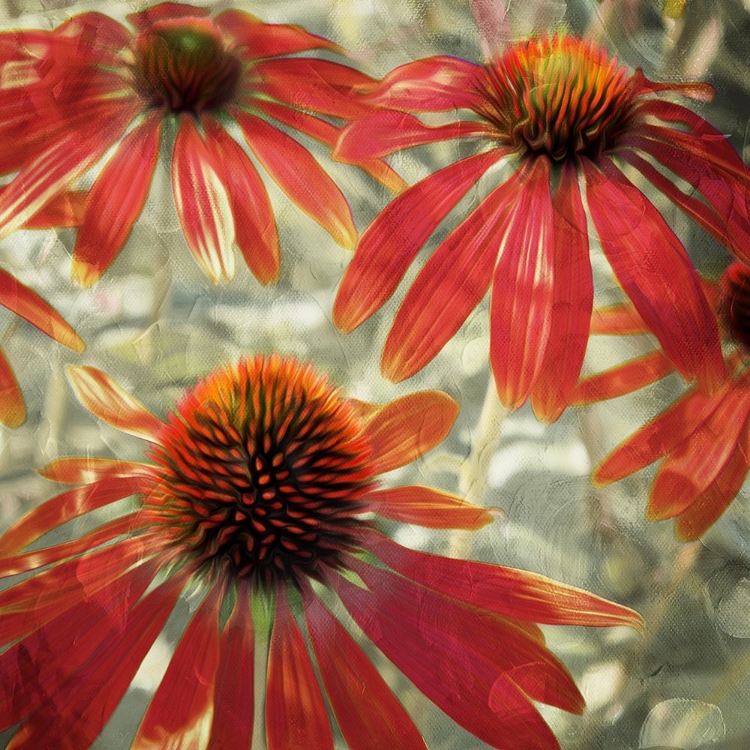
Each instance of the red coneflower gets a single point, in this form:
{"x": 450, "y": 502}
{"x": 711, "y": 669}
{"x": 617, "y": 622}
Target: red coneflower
{"x": 565, "y": 119}
{"x": 704, "y": 439}
{"x": 255, "y": 499}
{"x": 65, "y": 210}
{"x": 70, "y": 95}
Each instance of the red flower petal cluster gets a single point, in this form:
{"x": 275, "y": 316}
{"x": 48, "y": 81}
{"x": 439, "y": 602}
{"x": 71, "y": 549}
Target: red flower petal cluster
{"x": 254, "y": 498}
{"x": 560, "y": 122}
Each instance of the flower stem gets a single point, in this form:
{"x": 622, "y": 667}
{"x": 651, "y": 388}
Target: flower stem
{"x": 472, "y": 478}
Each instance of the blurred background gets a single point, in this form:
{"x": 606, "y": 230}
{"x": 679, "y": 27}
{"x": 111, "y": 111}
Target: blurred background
{"x": 155, "y": 323}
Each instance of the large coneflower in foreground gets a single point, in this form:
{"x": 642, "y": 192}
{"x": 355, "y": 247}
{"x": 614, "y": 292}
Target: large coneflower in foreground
{"x": 704, "y": 439}
{"x": 259, "y": 496}
{"x": 27, "y": 304}
{"x": 560, "y": 122}
{"x": 175, "y": 79}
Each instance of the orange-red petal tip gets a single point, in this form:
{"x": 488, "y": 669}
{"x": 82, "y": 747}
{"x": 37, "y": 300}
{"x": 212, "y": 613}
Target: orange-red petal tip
{"x": 12, "y": 412}
{"x": 83, "y": 274}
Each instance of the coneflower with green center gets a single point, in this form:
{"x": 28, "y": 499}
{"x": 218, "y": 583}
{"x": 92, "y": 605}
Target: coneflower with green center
{"x": 260, "y": 496}
{"x": 703, "y": 438}
{"x": 565, "y": 119}
{"x": 70, "y": 95}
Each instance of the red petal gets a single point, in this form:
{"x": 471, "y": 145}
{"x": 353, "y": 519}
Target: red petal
{"x": 691, "y": 468}
{"x": 441, "y": 646}
{"x": 657, "y": 438}
{"x": 269, "y": 39}
{"x": 30, "y": 306}
{"x": 309, "y": 83}
{"x": 254, "y": 223}
{"x": 12, "y": 409}
{"x": 656, "y": 273}
{"x": 618, "y": 320}
{"x": 395, "y": 237}
{"x": 233, "y": 693}
{"x": 433, "y": 84}
{"x": 385, "y": 131}
{"x": 405, "y": 429}
{"x": 704, "y": 92}
{"x": 203, "y": 203}
{"x": 87, "y": 470}
{"x": 522, "y": 288}
{"x": 296, "y": 714}
{"x": 380, "y": 721}
{"x": 63, "y": 508}
{"x": 708, "y": 506}
{"x": 504, "y": 591}
{"x": 64, "y": 210}
{"x": 82, "y": 705}
{"x": 427, "y": 507}
{"x": 572, "y": 300}
{"x": 181, "y": 707}
{"x": 33, "y": 670}
{"x": 622, "y": 379}
{"x": 115, "y": 202}
{"x": 112, "y": 404}
{"x": 165, "y": 11}
{"x": 297, "y": 173}
{"x": 56, "y": 167}
{"x": 451, "y": 284}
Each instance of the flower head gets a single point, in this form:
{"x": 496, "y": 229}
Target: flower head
{"x": 93, "y": 84}
{"x": 260, "y": 496}
{"x": 704, "y": 439}
{"x": 567, "y": 121}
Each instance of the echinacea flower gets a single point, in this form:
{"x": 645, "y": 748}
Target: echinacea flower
{"x": 180, "y": 82}
{"x": 703, "y": 438}
{"x": 560, "y": 120}
{"x": 259, "y": 496}
{"x": 27, "y": 304}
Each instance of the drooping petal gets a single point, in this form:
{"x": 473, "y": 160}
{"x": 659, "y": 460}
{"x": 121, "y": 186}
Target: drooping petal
{"x": 653, "y": 268}
{"x": 66, "y": 159}
{"x": 657, "y": 438}
{"x": 113, "y": 404}
{"x": 433, "y": 84}
{"x": 621, "y": 379}
{"x": 522, "y": 299}
{"x": 233, "y": 691}
{"x": 82, "y": 705}
{"x": 405, "y": 429}
{"x": 451, "y": 284}
{"x": 12, "y": 408}
{"x": 427, "y": 507}
{"x": 269, "y": 39}
{"x": 65, "y": 507}
{"x": 322, "y": 130}
{"x": 165, "y": 11}
{"x": 115, "y": 202}
{"x": 296, "y": 714}
{"x": 87, "y": 470}
{"x": 689, "y": 469}
{"x": 27, "y": 304}
{"x": 710, "y": 504}
{"x": 618, "y": 320}
{"x": 32, "y": 670}
{"x": 485, "y": 690}
{"x": 572, "y": 300}
{"x": 254, "y": 223}
{"x": 181, "y": 708}
{"x": 203, "y": 204}
{"x": 380, "y": 720}
{"x": 384, "y": 131}
{"x": 394, "y": 238}
{"x": 505, "y": 591}
{"x": 297, "y": 173}
{"x": 64, "y": 210}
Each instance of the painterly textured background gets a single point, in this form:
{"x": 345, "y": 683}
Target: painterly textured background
{"x": 156, "y": 323}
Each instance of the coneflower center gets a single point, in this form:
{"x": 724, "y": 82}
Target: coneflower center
{"x": 263, "y": 471}
{"x": 734, "y": 305}
{"x": 185, "y": 66}
{"x": 561, "y": 96}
